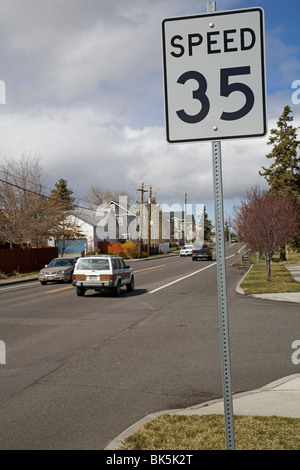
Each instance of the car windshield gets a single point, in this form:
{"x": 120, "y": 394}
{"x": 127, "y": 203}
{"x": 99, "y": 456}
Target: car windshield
{"x": 92, "y": 264}
{"x": 60, "y": 262}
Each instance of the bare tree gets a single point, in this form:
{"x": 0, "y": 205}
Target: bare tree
{"x": 97, "y": 196}
{"x": 65, "y": 232}
{"x": 20, "y": 200}
{"x": 266, "y": 221}
{"x": 27, "y": 215}
{"x": 10, "y": 215}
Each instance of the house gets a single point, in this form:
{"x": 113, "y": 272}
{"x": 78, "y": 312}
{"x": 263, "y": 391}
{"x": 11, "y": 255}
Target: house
{"x": 117, "y": 222}
{"x": 108, "y": 222}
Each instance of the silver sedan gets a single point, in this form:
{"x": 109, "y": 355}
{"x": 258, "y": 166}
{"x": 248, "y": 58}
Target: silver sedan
{"x": 58, "y": 270}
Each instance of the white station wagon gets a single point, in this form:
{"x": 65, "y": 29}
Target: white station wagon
{"x": 102, "y": 273}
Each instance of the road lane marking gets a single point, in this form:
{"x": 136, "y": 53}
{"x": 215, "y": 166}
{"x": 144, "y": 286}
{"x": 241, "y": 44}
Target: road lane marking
{"x": 181, "y": 279}
{"x": 185, "y": 277}
{"x": 70, "y": 287}
{"x": 146, "y": 269}
{"x": 137, "y": 271}
{"x": 58, "y": 290}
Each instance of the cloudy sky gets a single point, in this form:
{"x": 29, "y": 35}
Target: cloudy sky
{"x": 84, "y": 93}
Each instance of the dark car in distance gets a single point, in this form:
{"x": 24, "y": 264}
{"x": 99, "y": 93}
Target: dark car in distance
{"x": 204, "y": 252}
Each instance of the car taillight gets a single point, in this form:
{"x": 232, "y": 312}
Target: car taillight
{"x": 111, "y": 277}
{"x": 74, "y": 277}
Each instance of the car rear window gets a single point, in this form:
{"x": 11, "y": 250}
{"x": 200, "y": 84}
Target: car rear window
{"x": 93, "y": 264}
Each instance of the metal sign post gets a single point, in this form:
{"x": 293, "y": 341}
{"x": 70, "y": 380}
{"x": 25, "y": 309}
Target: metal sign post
{"x": 222, "y": 289}
{"x": 222, "y": 295}
{"x": 214, "y": 82}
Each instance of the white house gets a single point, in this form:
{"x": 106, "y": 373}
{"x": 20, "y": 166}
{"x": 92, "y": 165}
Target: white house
{"x": 108, "y": 222}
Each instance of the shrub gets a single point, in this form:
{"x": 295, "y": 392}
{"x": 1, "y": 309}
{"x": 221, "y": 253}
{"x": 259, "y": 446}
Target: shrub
{"x": 130, "y": 249}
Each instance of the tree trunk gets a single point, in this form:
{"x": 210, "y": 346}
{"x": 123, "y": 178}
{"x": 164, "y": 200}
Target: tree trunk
{"x": 268, "y": 267}
{"x": 282, "y": 253}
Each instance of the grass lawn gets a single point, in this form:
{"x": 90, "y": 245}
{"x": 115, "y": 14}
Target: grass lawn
{"x": 281, "y": 279}
{"x": 175, "y": 432}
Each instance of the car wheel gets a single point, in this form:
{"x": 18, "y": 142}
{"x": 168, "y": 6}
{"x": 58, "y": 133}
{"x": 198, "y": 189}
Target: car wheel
{"x": 43, "y": 283}
{"x": 117, "y": 289}
{"x": 130, "y": 286}
{"x": 80, "y": 291}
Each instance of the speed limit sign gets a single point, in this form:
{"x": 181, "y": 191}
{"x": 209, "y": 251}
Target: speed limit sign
{"x": 214, "y": 76}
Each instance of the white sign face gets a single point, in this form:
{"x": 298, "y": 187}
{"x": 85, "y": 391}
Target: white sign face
{"x": 214, "y": 76}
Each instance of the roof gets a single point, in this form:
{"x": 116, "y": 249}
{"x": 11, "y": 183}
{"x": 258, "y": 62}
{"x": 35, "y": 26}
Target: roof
{"x": 87, "y": 215}
{"x": 93, "y": 216}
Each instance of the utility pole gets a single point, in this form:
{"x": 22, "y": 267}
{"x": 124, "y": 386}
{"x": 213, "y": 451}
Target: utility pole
{"x": 149, "y": 220}
{"x": 184, "y": 222}
{"x": 143, "y": 190}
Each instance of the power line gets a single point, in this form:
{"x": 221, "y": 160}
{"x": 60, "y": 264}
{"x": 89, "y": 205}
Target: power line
{"x": 34, "y": 183}
{"x": 39, "y": 194}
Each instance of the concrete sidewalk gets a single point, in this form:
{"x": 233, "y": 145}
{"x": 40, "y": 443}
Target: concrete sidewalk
{"x": 280, "y": 398}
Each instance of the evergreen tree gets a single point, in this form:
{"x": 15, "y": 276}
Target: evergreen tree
{"x": 65, "y": 229}
{"x": 63, "y": 193}
{"x": 283, "y": 175}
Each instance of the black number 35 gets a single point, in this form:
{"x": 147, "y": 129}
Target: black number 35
{"x": 226, "y": 89}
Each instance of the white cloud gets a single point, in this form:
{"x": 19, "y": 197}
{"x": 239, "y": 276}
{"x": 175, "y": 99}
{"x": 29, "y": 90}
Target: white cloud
{"x": 85, "y": 92}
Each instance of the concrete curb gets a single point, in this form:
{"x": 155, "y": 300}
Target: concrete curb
{"x": 261, "y": 396}
{"x": 18, "y": 280}
{"x": 239, "y": 290}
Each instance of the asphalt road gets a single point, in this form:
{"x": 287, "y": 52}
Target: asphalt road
{"x": 80, "y": 370}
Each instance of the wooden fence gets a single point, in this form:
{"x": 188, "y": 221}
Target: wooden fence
{"x": 110, "y": 248}
{"x": 24, "y": 260}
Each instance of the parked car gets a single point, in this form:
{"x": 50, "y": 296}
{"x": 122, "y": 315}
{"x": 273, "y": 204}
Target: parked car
{"x": 186, "y": 250}
{"x": 234, "y": 240}
{"x": 204, "y": 252}
{"x": 58, "y": 270}
{"x": 102, "y": 273}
